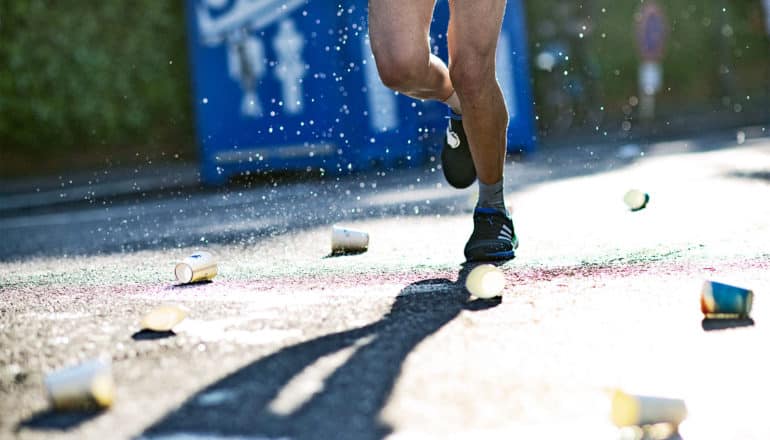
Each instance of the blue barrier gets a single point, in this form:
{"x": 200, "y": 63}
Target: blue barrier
{"x": 292, "y": 85}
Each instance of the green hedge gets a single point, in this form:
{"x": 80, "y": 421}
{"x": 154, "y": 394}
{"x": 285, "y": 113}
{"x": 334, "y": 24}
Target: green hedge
{"x": 79, "y": 75}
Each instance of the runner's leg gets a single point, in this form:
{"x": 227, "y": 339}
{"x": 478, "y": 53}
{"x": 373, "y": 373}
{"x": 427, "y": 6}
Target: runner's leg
{"x": 473, "y": 32}
{"x": 399, "y": 32}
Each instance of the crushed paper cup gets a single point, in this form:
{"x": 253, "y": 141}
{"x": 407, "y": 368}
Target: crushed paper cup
{"x": 634, "y": 410}
{"x": 200, "y": 266}
{"x": 719, "y": 300}
{"x": 636, "y": 200}
{"x": 485, "y": 281}
{"x": 86, "y": 386}
{"x": 164, "y": 318}
{"x": 348, "y": 240}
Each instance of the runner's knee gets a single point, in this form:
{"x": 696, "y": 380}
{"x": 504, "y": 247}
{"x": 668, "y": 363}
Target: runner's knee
{"x": 472, "y": 76}
{"x": 401, "y": 70}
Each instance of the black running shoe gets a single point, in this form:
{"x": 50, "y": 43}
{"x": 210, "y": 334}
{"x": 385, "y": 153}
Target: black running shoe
{"x": 456, "y": 160}
{"x": 493, "y": 237}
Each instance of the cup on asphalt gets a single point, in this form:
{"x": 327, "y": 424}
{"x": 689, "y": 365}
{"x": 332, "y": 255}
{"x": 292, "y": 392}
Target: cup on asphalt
{"x": 634, "y": 410}
{"x": 719, "y": 300}
{"x": 636, "y": 199}
{"x": 86, "y": 386}
{"x": 348, "y": 240}
{"x": 200, "y": 266}
{"x": 485, "y": 281}
{"x": 164, "y": 318}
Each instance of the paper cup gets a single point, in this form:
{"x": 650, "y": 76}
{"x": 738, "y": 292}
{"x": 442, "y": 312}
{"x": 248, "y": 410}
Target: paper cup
{"x": 199, "y": 266}
{"x": 82, "y": 387}
{"x": 631, "y": 410}
{"x": 485, "y": 281}
{"x": 719, "y": 300}
{"x": 348, "y": 240}
{"x": 164, "y": 318}
{"x": 636, "y": 199}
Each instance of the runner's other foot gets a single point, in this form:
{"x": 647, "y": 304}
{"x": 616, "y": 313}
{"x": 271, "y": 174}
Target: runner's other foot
{"x": 456, "y": 160}
{"x": 493, "y": 237}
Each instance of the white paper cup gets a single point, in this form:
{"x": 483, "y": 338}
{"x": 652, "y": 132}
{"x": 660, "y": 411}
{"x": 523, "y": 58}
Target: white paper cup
{"x": 631, "y": 410}
{"x": 485, "y": 281}
{"x": 164, "y": 318}
{"x": 199, "y": 266}
{"x": 348, "y": 240}
{"x": 82, "y": 387}
{"x": 636, "y": 199}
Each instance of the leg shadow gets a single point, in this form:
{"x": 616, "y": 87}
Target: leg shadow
{"x": 349, "y": 402}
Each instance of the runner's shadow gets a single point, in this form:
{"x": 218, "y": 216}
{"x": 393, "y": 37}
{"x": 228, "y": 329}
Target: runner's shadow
{"x": 349, "y": 400}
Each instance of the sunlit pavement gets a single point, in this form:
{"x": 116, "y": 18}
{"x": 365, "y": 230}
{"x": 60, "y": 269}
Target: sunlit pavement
{"x": 290, "y": 343}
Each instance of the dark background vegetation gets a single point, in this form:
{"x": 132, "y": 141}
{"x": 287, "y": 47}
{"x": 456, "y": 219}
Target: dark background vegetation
{"x": 85, "y": 84}
{"x": 89, "y": 84}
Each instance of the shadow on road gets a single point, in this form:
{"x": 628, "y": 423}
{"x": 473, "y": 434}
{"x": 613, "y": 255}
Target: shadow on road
{"x": 247, "y": 212}
{"x": 50, "y": 420}
{"x": 348, "y": 403}
{"x": 751, "y": 175}
{"x": 337, "y": 254}
{"x": 723, "y": 324}
{"x": 151, "y": 335}
{"x": 191, "y": 285}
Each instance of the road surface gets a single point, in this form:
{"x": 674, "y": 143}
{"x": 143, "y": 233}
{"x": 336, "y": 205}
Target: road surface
{"x": 290, "y": 342}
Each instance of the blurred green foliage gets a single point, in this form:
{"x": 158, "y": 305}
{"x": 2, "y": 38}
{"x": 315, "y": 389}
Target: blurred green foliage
{"x": 79, "y": 75}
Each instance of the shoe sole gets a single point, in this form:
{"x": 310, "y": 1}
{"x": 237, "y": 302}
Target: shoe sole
{"x": 451, "y": 159}
{"x": 495, "y": 256}
{"x": 459, "y": 182}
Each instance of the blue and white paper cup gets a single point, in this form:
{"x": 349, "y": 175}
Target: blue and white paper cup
{"x": 725, "y": 301}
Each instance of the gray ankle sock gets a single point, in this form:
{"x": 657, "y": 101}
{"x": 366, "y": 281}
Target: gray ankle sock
{"x": 491, "y": 196}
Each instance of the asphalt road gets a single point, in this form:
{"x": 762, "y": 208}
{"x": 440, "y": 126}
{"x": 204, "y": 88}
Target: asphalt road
{"x": 289, "y": 342}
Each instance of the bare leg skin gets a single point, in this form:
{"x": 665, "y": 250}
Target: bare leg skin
{"x": 399, "y": 32}
{"x": 473, "y": 32}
